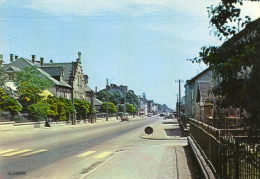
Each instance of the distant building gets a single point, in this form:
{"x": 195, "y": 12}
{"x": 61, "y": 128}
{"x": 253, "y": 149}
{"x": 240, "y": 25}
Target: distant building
{"x": 122, "y": 90}
{"x": 143, "y": 105}
{"x": 197, "y": 91}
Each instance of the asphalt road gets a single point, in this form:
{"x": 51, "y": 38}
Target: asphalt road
{"x": 64, "y": 152}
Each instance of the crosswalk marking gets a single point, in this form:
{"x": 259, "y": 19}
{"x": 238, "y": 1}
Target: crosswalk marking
{"x": 16, "y": 153}
{"x": 102, "y": 155}
{"x": 34, "y": 152}
{"x": 6, "y": 151}
{"x": 85, "y": 154}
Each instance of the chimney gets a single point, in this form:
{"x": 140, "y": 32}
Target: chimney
{"x": 96, "y": 89}
{"x": 11, "y": 57}
{"x": 16, "y": 57}
{"x": 62, "y": 72}
{"x": 33, "y": 58}
{"x": 42, "y": 61}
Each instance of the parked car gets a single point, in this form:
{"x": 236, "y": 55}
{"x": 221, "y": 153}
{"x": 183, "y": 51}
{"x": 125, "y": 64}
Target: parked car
{"x": 123, "y": 117}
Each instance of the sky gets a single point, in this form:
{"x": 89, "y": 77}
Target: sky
{"x": 143, "y": 44}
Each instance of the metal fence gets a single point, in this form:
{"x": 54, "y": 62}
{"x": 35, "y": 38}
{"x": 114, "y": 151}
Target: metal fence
{"x": 230, "y": 156}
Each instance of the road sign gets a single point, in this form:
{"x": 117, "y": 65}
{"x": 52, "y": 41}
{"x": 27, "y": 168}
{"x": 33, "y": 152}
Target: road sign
{"x": 148, "y": 130}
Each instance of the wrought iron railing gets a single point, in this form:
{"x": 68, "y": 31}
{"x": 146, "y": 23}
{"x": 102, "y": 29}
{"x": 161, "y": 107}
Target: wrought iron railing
{"x": 232, "y": 154}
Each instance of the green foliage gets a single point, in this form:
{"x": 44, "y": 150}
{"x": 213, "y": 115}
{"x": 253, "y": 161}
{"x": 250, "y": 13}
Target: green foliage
{"x": 8, "y": 103}
{"x": 38, "y": 111}
{"x": 115, "y": 98}
{"x": 236, "y": 66}
{"x": 59, "y": 108}
{"x": 82, "y": 107}
{"x": 12, "y": 105}
{"x": 132, "y": 98}
{"x": 121, "y": 108}
{"x": 103, "y": 96}
{"x": 3, "y": 77}
{"x": 130, "y": 108}
{"x": 111, "y": 107}
{"x": 223, "y": 15}
{"x": 3, "y": 98}
{"x": 29, "y": 86}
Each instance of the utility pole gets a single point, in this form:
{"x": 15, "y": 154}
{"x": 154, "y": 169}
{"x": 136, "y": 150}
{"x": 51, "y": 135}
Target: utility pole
{"x": 177, "y": 105}
{"x": 179, "y": 97}
{"x": 107, "y": 100}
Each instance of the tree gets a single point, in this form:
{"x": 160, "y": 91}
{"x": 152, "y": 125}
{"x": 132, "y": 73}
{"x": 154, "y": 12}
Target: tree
{"x": 3, "y": 77}
{"x": 3, "y": 98}
{"x": 12, "y": 105}
{"x": 30, "y": 85}
{"x": 121, "y": 108}
{"x": 132, "y": 98}
{"x": 111, "y": 107}
{"x": 65, "y": 108}
{"x": 130, "y": 108}
{"x": 115, "y": 98}
{"x": 225, "y": 18}
{"x": 38, "y": 111}
{"x": 8, "y": 103}
{"x": 82, "y": 108}
{"x": 104, "y": 96}
{"x": 235, "y": 65}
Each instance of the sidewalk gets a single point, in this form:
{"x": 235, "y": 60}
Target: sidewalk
{"x": 165, "y": 130}
{"x": 156, "y": 156}
{"x": 11, "y": 126}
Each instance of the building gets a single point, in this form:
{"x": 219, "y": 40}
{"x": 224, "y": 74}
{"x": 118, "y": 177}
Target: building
{"x": 113, "y": 88}
{"x": 197, "y": 91}
{"x": 143, "y": 105}
{"x": 67, "y": 78}
{"x": 59, "y": 86}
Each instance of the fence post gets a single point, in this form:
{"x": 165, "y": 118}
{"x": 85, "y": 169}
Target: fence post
{"x": 236, "y": 158}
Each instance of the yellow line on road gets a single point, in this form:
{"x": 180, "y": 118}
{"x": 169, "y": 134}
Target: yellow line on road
{"x": 34, "y": 152}
{"x": 8, "y": 150}
{"x": 16, "y": 153}
{"x": 102, "y": 155}
{"x": 85, "y": 154}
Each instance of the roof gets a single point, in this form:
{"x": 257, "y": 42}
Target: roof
{"x": 12, "y": 69}
{"x": 88, "y": 89}
{"x": 52, "y": 70}
{"x": 67, "y": 67}
{"x": 204, "y": 88}
{"x": 251, "y": 31}
{"x": 96, "y": 101}
{"x": 198, "y": 75}
{"x": 56, "y": 82}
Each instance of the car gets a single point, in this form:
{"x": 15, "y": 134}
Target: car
{"x": 161, "y": 115}
{"x": 149, "y": 115}
{"x": 123, "y": 116}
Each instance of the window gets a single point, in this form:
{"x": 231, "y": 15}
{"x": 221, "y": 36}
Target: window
{"x": 10, "y": 77}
